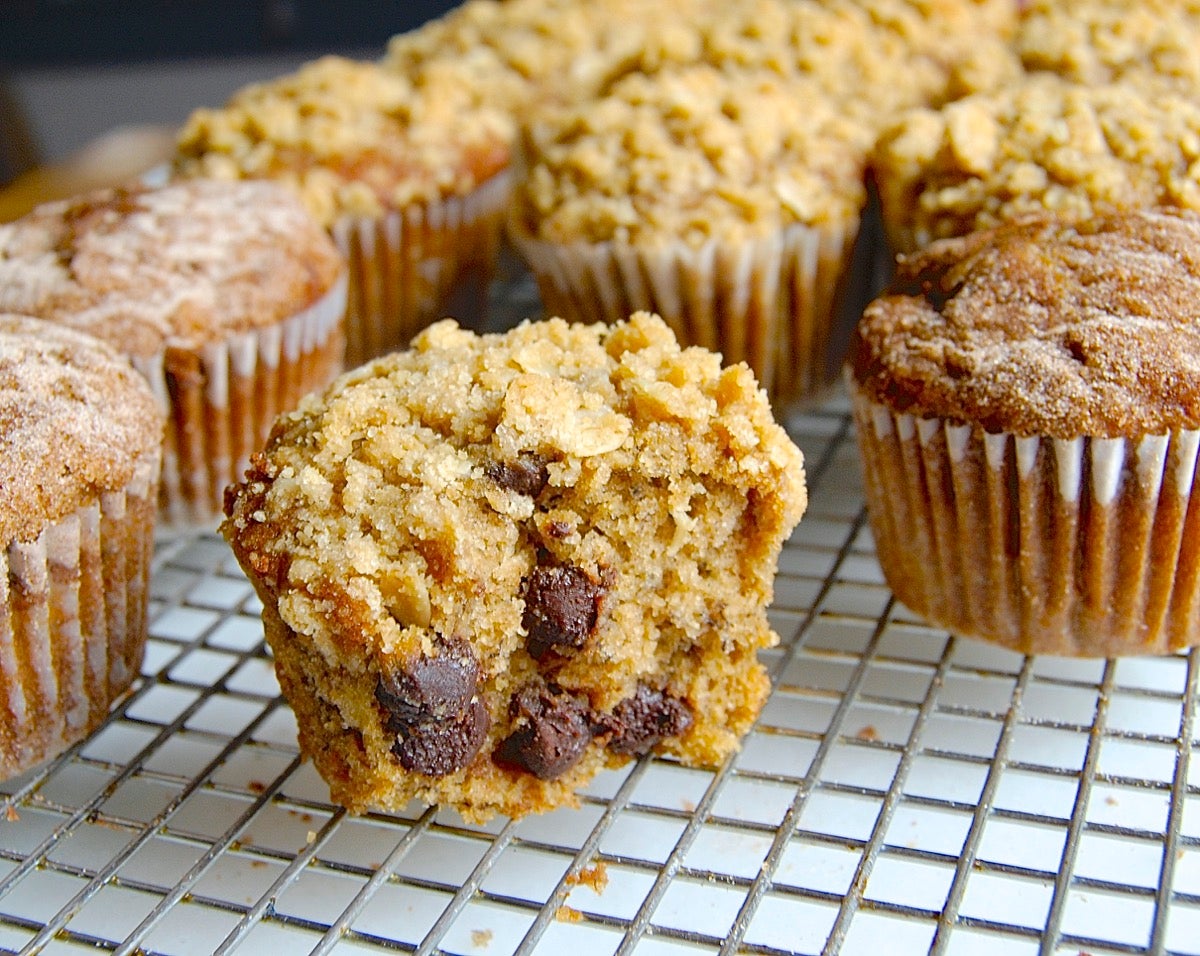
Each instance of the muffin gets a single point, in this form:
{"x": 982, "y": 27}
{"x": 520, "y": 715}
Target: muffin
{"x": 80, "y": 448}
{"x": 410, "y": 181}
{"x": 228, "y": 297}
{"x": 1027, "y": 406}
{"x": 1044, "y": 145}
{"x": 728, "y": 203}
{"x": 492, "y": 565}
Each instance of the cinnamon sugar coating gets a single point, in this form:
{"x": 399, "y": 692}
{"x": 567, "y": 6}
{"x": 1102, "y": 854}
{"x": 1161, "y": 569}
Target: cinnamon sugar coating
{"x": 75, "y": 420}
{"x": 186, "y": 264}
{"x": 1044, "y": 327}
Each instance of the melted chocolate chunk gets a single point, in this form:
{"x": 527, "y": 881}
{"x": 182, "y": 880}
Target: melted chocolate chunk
{"x": 641, "y": 721}
{"x": 432, "y": 709}
{"x": 527, "y": 475}
{"x": 561, "y": 607}
{"x": 440, "y": 747}
{"x": 431, "y": 688}
{"x": 555, "y": 732}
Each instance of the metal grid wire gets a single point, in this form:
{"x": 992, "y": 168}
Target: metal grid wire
{"x": 903, "y": 792}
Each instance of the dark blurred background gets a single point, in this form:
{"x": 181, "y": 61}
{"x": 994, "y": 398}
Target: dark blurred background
{"x": 72, "y": 71}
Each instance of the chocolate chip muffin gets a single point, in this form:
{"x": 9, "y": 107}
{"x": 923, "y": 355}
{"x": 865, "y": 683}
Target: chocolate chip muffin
{"x": 1027, "y": 403}
{"x": 492, "y": 565}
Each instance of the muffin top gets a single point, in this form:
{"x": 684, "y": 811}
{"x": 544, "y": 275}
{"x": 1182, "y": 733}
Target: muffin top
{"x": 688, "y": 155}
{"x": 1042, "y": 145}
{"x": 75, "y": 421}
{"x": 186, "y": 264}
{"x": 351, "y": 137}
{"x": 519, "y": 53}
{"x": 1044, "y": 327}
{"x": 422, "y": 467}
{"x": 1098, "y": 41}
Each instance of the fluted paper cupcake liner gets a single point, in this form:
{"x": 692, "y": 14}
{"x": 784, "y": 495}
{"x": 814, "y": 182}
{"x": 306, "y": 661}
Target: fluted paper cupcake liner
{"x": 223, "y": 399}
{"x": 1088, "y": 546}
{"x": 404, "y": 264}
{"x": 74, "y": 626}
{"x": 776, "y": 303}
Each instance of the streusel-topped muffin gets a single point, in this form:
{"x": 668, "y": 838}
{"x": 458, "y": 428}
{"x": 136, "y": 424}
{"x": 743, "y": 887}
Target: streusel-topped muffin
{"x": 728, "y": 203}
{"x": 227, "y": 296}
{"x": 1027, "y": 403}
{"x": 492, "y": 565}
{"x": 80, "y": 446}
{"x": 409, "y": 180}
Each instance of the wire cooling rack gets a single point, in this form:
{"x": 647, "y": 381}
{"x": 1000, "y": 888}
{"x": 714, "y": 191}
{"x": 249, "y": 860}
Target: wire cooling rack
{"x": 903, "y": 792}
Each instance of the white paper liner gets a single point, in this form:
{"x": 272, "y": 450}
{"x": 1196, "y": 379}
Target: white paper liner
{"x": 405, "y": 263}
{"x": 776, "y": 303}
{"x": 74, "y": 626}
{"x": 222, "y": 399}
{"x": 1086, "y": 546}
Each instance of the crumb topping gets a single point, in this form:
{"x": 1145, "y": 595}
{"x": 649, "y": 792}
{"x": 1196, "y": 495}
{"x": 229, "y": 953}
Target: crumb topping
{"x": 1043, "y": 145}
{"x": 182, "y": 265}
{"x": 75, "y": 419}
{"x": 904, "y": 51}
{"x": 350, "y": 137}
{"x": 689, "y": 155}
{"x": 1098, "y": 41}
{"x": 1044, "y": 327}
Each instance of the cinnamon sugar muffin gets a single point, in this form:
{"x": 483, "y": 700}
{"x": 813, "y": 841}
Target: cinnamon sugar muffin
{"x": 227, "y": 296}
{"x": 409, "y": 180}
{"x": 80, "y": 447}
{"x": 1042, "y": 145}
{"x": 1027, "y": 403}
{"x": 492, "y": 565}
{"x": 728, "y": 203}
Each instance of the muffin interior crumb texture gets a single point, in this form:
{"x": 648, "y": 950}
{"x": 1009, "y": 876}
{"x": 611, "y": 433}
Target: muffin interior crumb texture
{"x": 492, "y": 565}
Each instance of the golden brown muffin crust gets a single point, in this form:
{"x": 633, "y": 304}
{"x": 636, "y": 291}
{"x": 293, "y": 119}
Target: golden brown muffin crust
{"x": 186, "y": 264}
{"x": 1045, "y": 327}
{"x": 75, "y": 418}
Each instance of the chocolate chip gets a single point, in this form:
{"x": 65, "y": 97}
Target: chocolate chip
{"x": 639, "y": 722}
{"x": 527, "y": 475}
{"x": 561, "y": 607}
{"x": 433, "y": 710}
{"x": 431, "y": 688}
{"x": 553, "y": 732}
{"x": 443, "y": 746}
